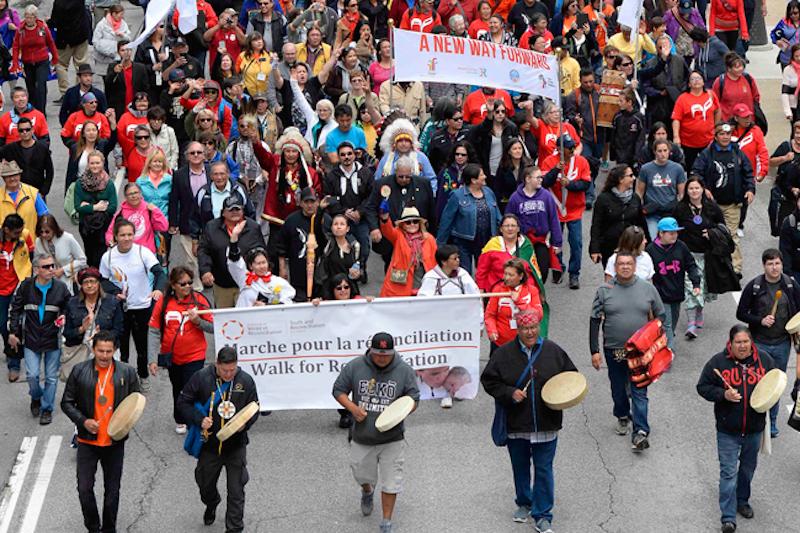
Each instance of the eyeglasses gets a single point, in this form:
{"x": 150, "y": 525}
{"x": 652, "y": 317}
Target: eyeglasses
{"x": 457, "y": 119}
{"x": 184, "y": 283}
{"x": 210, "y": 91}
{"x": 196, "y": 152}
{"x": 24, "y": 130}
{"x": 48, "y": 266}
{"x": 142, "y": 137}
{"x": 411, "y": 222}
{"x": 206, "y": 120}
{"x": 628, "y": 64}
{"x": 342, "y": 287}
{"x": 461, "y": 154}
{"x": 500, "y": 110}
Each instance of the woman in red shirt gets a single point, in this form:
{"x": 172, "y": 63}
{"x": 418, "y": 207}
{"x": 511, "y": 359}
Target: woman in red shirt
{"x": 480, "y": 25}
{"x": 693, "y": 118}
{"x": 175, "y": 328}
{"x": 500, "y": 324}
{"x": 738, "y": 87}
{"x": 726, "y": 20}
{"x": 32, "y": 43}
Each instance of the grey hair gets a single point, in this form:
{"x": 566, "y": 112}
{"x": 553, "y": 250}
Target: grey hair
{"x": 215, "y": 164}
{"x": 325, "y": 103}
{"x": 31, "y": 10}
{"x": 39, "y": 257}
{"x": 548, "y": 106}
{"x": 405, "y": 162}
{"x": 455, "y": 18}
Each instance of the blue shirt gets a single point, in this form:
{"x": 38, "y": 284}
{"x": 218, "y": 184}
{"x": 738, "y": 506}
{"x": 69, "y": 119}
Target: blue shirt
{"x": 336, "y": 137}
{"x": 41, "y": 207}
{"x": 44, "y": 289}
{"x": 218, "y": 197}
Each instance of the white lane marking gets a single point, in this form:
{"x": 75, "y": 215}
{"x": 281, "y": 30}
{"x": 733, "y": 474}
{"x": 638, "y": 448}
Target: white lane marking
{"x": 40, "y": 485}
{"x": 12, "y": 489}
{"x": 736, "y": 295}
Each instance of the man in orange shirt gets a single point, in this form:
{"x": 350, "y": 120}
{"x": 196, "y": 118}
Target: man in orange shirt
{"x": 94, "y": 390}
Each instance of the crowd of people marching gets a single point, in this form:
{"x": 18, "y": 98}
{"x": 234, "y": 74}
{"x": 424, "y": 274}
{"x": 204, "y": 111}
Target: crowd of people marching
{"x": 203, "y": 167}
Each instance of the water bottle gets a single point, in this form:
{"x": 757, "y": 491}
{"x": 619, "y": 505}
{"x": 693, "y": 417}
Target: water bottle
{"x": 357, "y": 268}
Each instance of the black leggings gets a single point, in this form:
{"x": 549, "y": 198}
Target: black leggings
{"x": 543, "y": 258}
{"x": 689, "y": 155}
{"x": 179, "y": 376}
{"x": 729, "y": 38}
{"x": 135, "y": 323}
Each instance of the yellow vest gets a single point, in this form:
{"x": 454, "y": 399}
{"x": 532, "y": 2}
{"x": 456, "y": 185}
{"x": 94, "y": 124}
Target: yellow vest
{"x": 22, "y": 259}
{"x": 25, "y": 206}
{"x": 316, "y": 68}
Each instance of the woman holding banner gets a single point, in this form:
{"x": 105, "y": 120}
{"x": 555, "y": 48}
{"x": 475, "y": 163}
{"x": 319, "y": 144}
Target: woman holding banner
{"x": 521, "y": 294}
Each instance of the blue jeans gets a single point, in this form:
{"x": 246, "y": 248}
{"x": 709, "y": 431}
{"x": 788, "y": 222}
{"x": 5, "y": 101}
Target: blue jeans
{"x": 738, "y": 457}
{"x": 620, "y": 389}
{"x": 594, "y": 150}
{"x": 540, "y": 497}
{"x": 361, "y": 233}
{"x": 575, "y": 239}
{"x": 12, "y": 360}
{"x": 780, "y": 354}
{"x": 673, "y": 314}
{"x": 467, "y": 253}
{"x": 52, "y": 362}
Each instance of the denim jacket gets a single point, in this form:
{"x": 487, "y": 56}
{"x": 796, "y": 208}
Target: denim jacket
{"x": 460, "y": 215}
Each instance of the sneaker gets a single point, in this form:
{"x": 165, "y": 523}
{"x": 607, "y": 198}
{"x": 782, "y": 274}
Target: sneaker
{"x": 605, "y": 164}
{"x": 265, "y": 413}
{"x": 345, "y": 420}
{"x": 210, "y": 515}
{"x": 367, "y": 499}
{"x": 386, "y": 526}
{"x": 557, "y": 276}
{"x": 447, "y": 402}
{"x": 144, "y": 385}
{"x": 543, "y": 526}
{"x": 728, "y": 527}
{"x": 180, "y": 429}
{"x": 74, "y": 443}
{"x": 740, "y": 232}
{"x": 745, "y": 510}
{"x": 36, "y": 407}
{"x": 640, "y": 442}
{"x": 13, "y": 376}
{"x": 521, "y": 514}
{"x": 691, "y": 331}
{"x": 46, "y": 418}
{"x": 574, "y": 283}
{"x": 589, "y": 206}
{"x": 622, "y": 426}
{"x": 774, "y": 432}
{"x": 698, "y": 318}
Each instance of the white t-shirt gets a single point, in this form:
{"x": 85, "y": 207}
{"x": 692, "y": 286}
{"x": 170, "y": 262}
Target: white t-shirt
{"x": 644, "y": 266}
{"x": 130, "y": 271}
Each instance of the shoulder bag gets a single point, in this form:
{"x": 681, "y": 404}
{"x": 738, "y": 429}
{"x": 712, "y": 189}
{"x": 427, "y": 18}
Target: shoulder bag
{"x": 500, "y": 422}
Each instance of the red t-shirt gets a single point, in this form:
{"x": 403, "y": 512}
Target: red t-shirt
{"x": 547, "y": 136}
{"x": 103, "y": 412}
{"x": 72, "y": 128}
{"x": 128, "y": 74}
{"x": 8, "y": 275}
{"x": 525, "y": 40}
{"x": 577, "y": 168}
{"x": 475, "y": 105}
{"x": 736, "y": 92}
{"x": 191, "y": 342}
{"x": 228, "y": 36}
{"x": 754, "y": 147}
{"x": 696, "y": 115}
{"x": 8, "y": 128}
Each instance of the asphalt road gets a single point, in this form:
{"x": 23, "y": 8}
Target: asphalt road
{"x": 456, "y": 479}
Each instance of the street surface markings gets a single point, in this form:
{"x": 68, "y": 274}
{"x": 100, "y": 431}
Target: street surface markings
{"x": 12, "y": 489}
{"x": 41, "y": 482}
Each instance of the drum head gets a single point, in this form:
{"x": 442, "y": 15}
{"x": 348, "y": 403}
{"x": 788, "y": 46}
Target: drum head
{"x": 394, "y": 413}
{"x": 237, "y": 422}
{"x": 125, "y": 416}
{"x": 768, "y": 391}
{"x": 564, "y": 390}
{"x": 793, "y": 326}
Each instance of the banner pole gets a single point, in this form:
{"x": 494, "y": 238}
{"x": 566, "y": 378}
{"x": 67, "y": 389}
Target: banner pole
{"x": 391, "y": 72}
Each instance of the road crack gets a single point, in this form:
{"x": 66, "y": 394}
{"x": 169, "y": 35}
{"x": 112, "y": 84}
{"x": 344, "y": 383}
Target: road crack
{"x": 149, "y": 485}
{"x": 613, "y": 478}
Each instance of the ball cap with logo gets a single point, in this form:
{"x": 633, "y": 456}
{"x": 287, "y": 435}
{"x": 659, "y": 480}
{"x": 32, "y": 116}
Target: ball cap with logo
{"x": 382, "y": 344}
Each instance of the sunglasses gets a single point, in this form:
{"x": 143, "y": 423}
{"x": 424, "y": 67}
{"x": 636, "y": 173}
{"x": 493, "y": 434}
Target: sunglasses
{"x": 49, "y": 266}
{"x": 500, "y": 111}
{"x": 206, "y": 120}
{"x": 210, "y": 91}
{"x": 196, "y": 152}
{"x": 142, "y": 137}
{"x": 626, "y": 64}
{"x": 184, "y": 283}
{"x": 342, "y": 287}
{"x": 461, "y": 154}
{"x": 24, "y": 130}
{"x": 210, "y": 143}
{"x": 234, "y": 208}
{"x": 457, "y": 119}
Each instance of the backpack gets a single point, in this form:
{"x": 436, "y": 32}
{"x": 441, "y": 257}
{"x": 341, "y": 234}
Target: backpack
{"x": 758, "y": 113}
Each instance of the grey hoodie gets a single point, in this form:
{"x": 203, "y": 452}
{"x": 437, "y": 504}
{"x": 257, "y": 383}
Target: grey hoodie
{"x": 373, "y": 389}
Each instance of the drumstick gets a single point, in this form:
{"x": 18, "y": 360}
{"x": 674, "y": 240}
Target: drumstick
{"x": 210, "y": 412}
{"x": 778, "y": 295}
{"x": 525, "y": 388}
{"x": 724, "y": 381}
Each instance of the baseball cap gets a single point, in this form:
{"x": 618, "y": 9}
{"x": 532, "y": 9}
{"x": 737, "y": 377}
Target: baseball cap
{"x": 569, "y": 142}
{"x": 685, "y": 6}
{"x": 741, "y": 110}
{"x": 668, "y": 224}
{"x": 233, "y": 201}
{"x": 308, "y": 193}
{"x": 382, "y": 344}
{"x": 177, "y": 75}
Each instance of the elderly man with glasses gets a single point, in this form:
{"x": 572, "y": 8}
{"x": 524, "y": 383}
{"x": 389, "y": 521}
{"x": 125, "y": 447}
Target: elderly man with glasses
{"x": 39, "y": 304}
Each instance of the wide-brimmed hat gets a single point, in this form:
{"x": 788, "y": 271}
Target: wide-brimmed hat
{"x": 85, "y": 69}
{"x": 410, "y": 213}
{"x": 9, "y": 168}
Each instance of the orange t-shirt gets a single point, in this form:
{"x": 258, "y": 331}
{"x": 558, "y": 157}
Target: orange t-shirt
{"x": 102, "y": 413}
{"x": 547, "y": 135}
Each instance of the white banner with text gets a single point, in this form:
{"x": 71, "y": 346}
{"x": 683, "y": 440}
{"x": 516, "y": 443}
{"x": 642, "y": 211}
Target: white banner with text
{"x": 448, "y": 59}
{"x": 295, "y": 352}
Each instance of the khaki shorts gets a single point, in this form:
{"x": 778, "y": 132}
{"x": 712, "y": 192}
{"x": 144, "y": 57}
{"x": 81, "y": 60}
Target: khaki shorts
{"x": 367, "y": 462}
